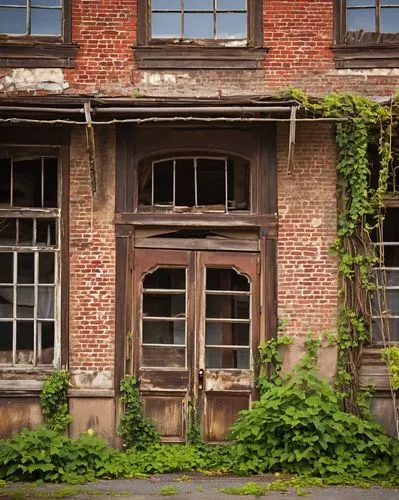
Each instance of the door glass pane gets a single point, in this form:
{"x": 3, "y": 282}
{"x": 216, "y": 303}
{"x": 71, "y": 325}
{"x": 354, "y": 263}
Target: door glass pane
{"x": 227, "y": 333}
{"x": 46, "y": 267}
{"x": 163, "y": 357}
{"x": 226, "y": 279}
{"x": 164, "y": 332}
{"x": 26, "y": 268}
{"x": 227, "y": 306}
{"x": 164, "y": 305}
{"x": 166, "y": 278}
{"x": 8, "y": 232}
{"x": 218, "y": 358}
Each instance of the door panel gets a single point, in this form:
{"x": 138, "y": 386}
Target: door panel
{"x": 228, "y": 336}
{"x": 197, "y": 319}
{"x": 161, "y": 283}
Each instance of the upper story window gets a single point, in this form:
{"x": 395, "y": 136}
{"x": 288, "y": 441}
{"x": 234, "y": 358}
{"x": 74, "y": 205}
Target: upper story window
{"x": 366, "y": 33}
{"x": 200, "y": 34}
{"x": 36, "y": 33}
{"x": 379, "y": 16}
{"x": 31, "y": 17}
{"x": 194, "y": 184}
{"x": 193, "y": 19}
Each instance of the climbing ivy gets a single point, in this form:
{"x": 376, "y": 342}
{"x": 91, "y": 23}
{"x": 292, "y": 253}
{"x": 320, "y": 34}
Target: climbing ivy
{"x": 54, "y": 402}
{"x": 136, "y": 430}
{"x": 360, "y": 122}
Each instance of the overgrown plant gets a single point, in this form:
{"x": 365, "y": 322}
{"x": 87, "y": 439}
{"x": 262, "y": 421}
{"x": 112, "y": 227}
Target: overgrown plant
{"x": 54, "y": 401}
{"x": 135, "y": 429}
{"x": 270, "y": 361}
{"x": 390, "y": 355}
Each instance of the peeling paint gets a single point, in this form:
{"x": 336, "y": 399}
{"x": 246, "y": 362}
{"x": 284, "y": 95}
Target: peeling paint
{"x": 92, "y": 379}
{"x": 49, "y": 79}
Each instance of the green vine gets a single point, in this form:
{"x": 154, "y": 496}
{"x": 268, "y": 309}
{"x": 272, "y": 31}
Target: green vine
{"x": 136, "y": 430}
{"x": 54, "y": 401}
{"x": 270, "y": 362}
{"x": 194, "y": 436}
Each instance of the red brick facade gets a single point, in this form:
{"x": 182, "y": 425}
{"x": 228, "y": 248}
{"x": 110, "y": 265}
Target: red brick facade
{"x": 299, "y": 37}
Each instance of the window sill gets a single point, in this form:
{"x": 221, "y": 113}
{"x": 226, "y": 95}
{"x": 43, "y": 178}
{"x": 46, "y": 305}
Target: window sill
{"x": 183, "y": 57}
{"x": 37, "y": 54}
{"x": 366, "y": 56}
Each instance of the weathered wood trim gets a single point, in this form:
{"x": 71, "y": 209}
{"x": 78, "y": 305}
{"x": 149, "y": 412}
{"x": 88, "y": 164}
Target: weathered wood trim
{"x": 91, "y": 393}
{"x": 198, "y": 244}
{"x": 123, "y": 281}
{"x": 64, "y": 250}
{"x": 125, "y": 151}
{"x": 11, "y": 386}
{"x": 269, "y": 287}
{"x": 267, "y": 170}
{"x": 199, "y": 58}
{"x": 197, "y": 220}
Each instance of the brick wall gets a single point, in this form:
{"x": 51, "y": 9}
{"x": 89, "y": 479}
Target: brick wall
{"x": 92, "y": 263}
{"x": 298, "y": 34}
{"x": 307, "y": 272}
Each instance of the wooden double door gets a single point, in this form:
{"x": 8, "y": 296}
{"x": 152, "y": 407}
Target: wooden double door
{"x": 195, "y": 334}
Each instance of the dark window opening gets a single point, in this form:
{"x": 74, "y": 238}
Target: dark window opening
{"x": 195, "y": 184}
{"x": 29, "y": 251}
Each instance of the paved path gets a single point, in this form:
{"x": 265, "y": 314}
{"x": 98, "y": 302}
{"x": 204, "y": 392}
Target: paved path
{"x": 183, "y": 487}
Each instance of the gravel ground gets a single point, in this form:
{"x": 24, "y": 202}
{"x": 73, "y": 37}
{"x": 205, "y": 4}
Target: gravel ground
{"x": 183, "y": 487}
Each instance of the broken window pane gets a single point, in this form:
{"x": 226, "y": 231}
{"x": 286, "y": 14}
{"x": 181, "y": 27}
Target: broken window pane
{"x": 226, "y": 279}
{"x": 25, "y": 232}
{"x": 217, "y": 358}
{"x": 225, "y": 333}
{"x": 184, "y": 183}
{"x": 164, "y": 278}
{"x": 50, "y": 177}
{"x": 163, "y": 183}
{"x": 162, "y": 305}
{"x": 227, "y": 306}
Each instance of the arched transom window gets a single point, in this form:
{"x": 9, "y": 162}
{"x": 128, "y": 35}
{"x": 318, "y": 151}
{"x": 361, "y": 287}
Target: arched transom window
{"x": 194, "y": 184}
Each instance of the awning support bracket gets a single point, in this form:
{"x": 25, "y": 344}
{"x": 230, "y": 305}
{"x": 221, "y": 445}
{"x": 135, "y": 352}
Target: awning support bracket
{"x": 291, "y": 140}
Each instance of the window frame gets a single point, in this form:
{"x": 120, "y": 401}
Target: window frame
{"x": 370, "y": 50}
{"x": 57, "y": 144}
{"x": 32, "y": 51}
{"x": 164, "y": 53}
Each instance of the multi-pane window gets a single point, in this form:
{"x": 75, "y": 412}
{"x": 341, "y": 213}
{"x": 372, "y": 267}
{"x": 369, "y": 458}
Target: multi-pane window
{"x": 194, "y": 184}
{"x": 227, "y": 319}
{"x": 380, "y": 16}
{"x": 31, "y": 17}
{"x": 199, "y": 19}
{"x": 164, "y": 318}
{"x": 385, "y": 300}
{"x": 29, "y": 259}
